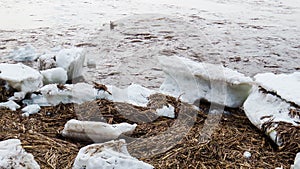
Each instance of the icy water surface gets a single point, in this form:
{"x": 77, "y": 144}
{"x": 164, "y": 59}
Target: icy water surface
{"x": 249, "y": 36}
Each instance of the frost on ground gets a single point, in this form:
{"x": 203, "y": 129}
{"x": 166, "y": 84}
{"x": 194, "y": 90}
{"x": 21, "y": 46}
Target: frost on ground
{"x": 109, "y": 155}
{"x": 193, "y": 81}
{"x": 21, "y": 77}
{"x": 96, "y": 131}
{"x": 268, "y": 110}
{"x": 12, "y": 155}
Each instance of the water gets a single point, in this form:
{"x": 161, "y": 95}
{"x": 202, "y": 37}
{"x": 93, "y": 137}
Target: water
{"x": 249, "y": 36}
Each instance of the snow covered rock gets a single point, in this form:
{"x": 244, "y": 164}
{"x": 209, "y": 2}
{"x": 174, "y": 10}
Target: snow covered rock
{"x": 95, "y": 131}
{"x": 274, "y": 104}
{"x": 31, "y": 109}
{"x": 72, "y": 60}
{"x": 12, "y": 155}
{"x": 26, "y": 53}
{"x": 109, "y": 155}
{"x": 54, "y": 75}
{"x": 296, "y": 162}
{"x": 21, "y": 77}
{"x": 69, "y": 93}
{"x": 10, "y": 105}
{"x": 47, "y": 61}
{"x": 193, "y": 81}
{"x": 287, "y": 86}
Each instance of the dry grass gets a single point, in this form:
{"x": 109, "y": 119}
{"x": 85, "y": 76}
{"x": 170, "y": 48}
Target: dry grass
{"x": 40, "y": 135}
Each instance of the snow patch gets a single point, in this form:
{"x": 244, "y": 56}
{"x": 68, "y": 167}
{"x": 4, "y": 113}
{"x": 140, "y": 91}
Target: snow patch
{"x": 12, "y": 155}
{"x": 193, "y": 81}
{"x": 109, "y": 155}
{"x": 95, "y": 131}
{"x": 21, "y": 77}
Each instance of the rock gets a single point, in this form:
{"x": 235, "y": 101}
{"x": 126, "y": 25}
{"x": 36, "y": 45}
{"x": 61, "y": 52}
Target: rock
{"x": 31, "y": 109}
{"x": 273, "y": 105}
{"x": 23, "y": 54}
{"x": 10, "y": 105}
{"x": 54, "y": 75}
{"x": 72, "y": 60}
{"x": 193, "y": 81}
{"x": 297, "y": 162}
{"x": 287, "y": 86}
{"x": 95, "y": 131}
{"x": 21, "y": 77}
{"x": 47, "y": 61}
{"x": 109, "y": 155}
{"x": 12, "y": 155}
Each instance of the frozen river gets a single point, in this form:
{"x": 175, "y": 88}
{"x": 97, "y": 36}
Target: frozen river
{"x": 246, "y": 35}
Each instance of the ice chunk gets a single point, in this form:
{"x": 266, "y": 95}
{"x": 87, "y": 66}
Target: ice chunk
{"x": 21, "y": 77}
{"x": 10, "y": 105}
{"x": 69, "y": 93}
{"x": 37, "y": 99}
{"x": 134, "y": 94}
{"x": 247, "y": 154}
{"x": 297, "y": 162}
{"x": 72, "y": 60}
{"x": 26, "y": 53}
{"x": 54, "y": 75}
{"x": 31, "y": 109}
{"x": 12, "y": 155}
{"x": 109, "y": 155}
{"x": 47, "y": 61}
{"x": 193, "y": 81}
{"x": 95, "y": 131}
{"x": 18, "y": 96}
{"x": 287, "y": 86}
{"x": 166, "y": 111}
{"x": 261, "y": 107}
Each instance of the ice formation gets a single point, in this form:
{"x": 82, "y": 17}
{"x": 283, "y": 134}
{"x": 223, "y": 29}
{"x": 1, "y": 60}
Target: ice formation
{"x": 274, "y": 101}
{"x": 54, "y": 75}
{"x": 95, "y": 131}
{"x": 47, "y": 61}
{"x": 10, "y": 105}
{"x": 193, "y": 81}
{"x": 69, "y": 93}
{"x": 21, "y": 77}
{"x": 26, "y": 53}
{"x": 31, "y": 109}
{"x": 109, "y": 155}
{"x": 287, "y": 86}
{"x": 12, "y": 155}
{"x": 296, "y": 164}
{"x": 72, "y": 60}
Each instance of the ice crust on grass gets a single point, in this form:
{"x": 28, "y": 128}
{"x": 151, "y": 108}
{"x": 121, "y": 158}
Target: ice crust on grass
{"x": 193, "y": 81}
{"x": 95, "y": 131}
{"x": 21, "y": 77}
{"x": 12, "y": 155}
{"x": 109, "y": 155}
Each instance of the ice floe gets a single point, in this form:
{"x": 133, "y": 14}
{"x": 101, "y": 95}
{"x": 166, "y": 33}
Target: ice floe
{"x": 54, "y": 75}
{"x": 274, "y": 103}
{"x": 31, "y": 109}
{"x": 296, "y": 164}
{"x": 21, "y": 77}
{"x": 95, "y": 131}
{"x": 109, "y": 155}
{"x": 12, "y": 155}
{"x": 72, "y": 60}
{"x": 193, "y": 81}
{"x": 10, "y": 105}
{"x": 26, "y": 53}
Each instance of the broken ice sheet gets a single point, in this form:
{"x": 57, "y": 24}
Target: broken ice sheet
{"x": 109, "y": 155}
